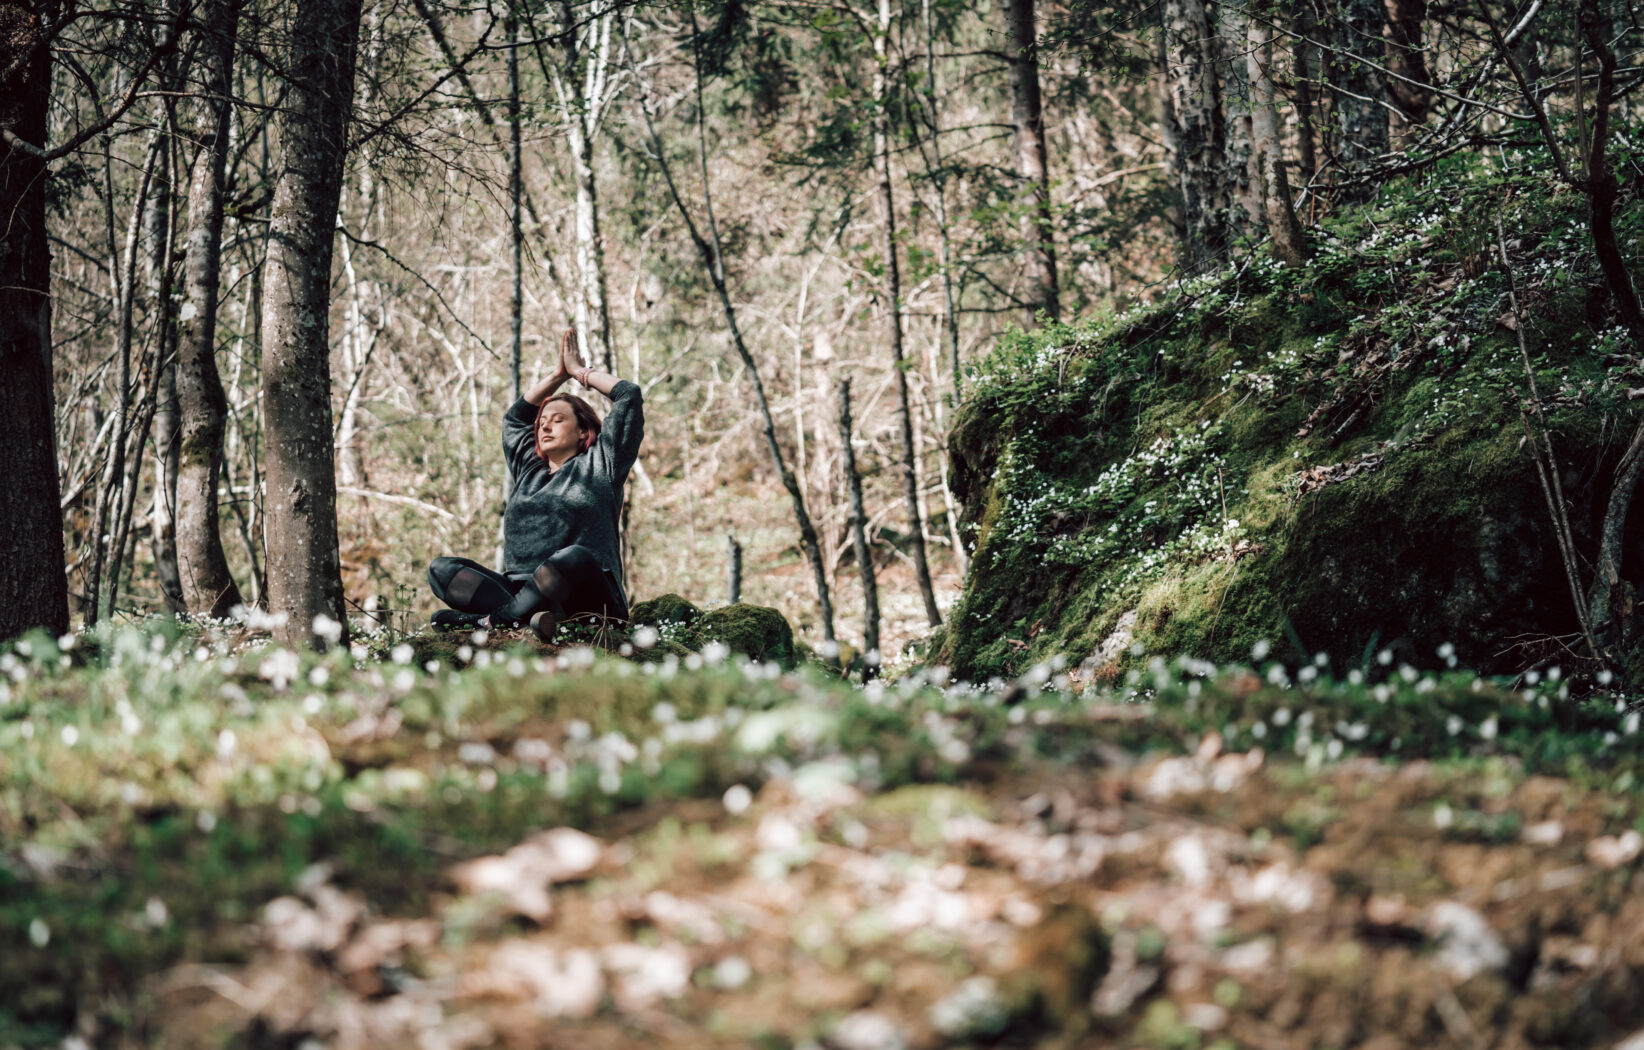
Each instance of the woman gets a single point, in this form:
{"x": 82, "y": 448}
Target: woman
{"x": 559, "y": 528}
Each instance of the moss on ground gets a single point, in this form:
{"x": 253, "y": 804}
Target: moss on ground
{"x": 1324, "y": 460}
{"x": 756, "y": 631}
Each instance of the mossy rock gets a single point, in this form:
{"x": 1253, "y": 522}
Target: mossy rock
{"x": 669, "y": 608}
{"x": 756, "y": 631}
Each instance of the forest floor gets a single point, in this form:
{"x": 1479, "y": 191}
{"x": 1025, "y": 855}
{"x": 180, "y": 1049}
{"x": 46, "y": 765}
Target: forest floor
{"x": 208, "y": 842}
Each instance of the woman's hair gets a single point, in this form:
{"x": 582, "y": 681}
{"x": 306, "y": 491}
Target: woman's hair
{"x": 587, "y": 419}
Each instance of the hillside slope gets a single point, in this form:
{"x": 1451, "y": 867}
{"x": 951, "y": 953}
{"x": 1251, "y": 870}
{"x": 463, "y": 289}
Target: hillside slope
{"x": 1326, "y": 460}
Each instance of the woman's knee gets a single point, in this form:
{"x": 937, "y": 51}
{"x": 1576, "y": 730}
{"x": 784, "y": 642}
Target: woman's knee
{"x": 575, "y": 560}
{"x": 440, "y": 571}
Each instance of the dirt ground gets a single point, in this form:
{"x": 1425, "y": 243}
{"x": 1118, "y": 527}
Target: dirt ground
{"x": 1214, "y": 900}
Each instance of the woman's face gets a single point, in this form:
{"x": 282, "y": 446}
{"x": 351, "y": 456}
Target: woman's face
{"x": 557, "y": 432}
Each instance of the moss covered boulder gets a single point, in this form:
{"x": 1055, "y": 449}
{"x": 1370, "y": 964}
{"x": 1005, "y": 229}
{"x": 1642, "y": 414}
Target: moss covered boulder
{"x": 756, "y": 631}
{"x": 1329, "y": 459}
{"x": 667, "y": 609}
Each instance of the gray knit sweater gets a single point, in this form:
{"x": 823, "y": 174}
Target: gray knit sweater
{"x": 577, "y": 504}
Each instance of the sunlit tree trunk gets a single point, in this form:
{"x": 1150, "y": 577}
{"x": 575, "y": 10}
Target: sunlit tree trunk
{"x": 300, "y": 501}
{"x": 893, "y": 314}
{"x": 203, "y": 575}
{"x": 1267, "y": 157}
{"x": 581, "y": 84}
{"x": 1195, "y": 100}
{"x": 33, "y": 589}
{"x": 1032, "y": 167}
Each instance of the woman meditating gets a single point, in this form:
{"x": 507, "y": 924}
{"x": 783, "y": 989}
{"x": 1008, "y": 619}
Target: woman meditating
{"x": 559, "y": 528}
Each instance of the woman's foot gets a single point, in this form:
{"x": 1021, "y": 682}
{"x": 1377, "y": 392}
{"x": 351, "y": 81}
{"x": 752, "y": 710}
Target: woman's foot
{"x": 544, "y": 624}
{"x": 453, "y": 620}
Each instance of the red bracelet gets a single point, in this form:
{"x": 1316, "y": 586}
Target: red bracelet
{"x": 582, "y": 376}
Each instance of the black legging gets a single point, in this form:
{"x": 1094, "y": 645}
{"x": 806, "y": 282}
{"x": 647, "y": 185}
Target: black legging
{"x": 583, "y": 587}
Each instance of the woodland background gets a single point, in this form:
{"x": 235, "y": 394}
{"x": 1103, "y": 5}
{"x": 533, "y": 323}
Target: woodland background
{"x": 737, "y": 205}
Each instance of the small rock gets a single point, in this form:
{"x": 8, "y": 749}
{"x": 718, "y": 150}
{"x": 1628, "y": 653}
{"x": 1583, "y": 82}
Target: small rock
{"x": 867, "y": 1030}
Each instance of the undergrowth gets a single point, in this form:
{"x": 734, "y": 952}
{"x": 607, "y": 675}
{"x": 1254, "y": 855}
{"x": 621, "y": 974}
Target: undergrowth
{"x": 1329, "y": 455}
{"x": 157, "y": 791}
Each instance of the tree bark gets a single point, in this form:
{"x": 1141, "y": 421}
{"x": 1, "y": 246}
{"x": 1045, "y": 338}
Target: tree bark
{"x": 1032, "y": 166}
{"x": 1307, "y": 163}
{"x": 1195, "y": 99}
{"x": 1405, "y": 19}
{"x": 1244, "y": 217}
{"x": 33, "y": 588}
{"x": 580, "y": 86}
{"x": 1361, "y": 119}
{"x": 859, "y": 536}
{"x": 893, "y": 312}
{"x": 207, "y": 586}
{"x": 304, "y": 572}
{"x": 1267, "y": 169}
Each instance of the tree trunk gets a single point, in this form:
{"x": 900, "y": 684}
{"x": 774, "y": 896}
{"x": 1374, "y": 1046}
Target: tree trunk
{"x": 1361, "y": 119}
{"x": 33, "y": 588}
{"x": 859, "y": 536}
{"x": 1200, "y": 142}
{"x": 938, "y": 174}
{"x": 1244, "y": 218}
{"x": 1405, "y": 19}
{"x": 1026, "y": 113}
{"x": 516, "y": 231}
{"x": 208, "y": 588}
{"x": 1267, "y": 157}
{"x": 712, "y": 257}
{"x": 580, "y": 87}
{"x": 304, "y": 572}
{"x": 1307, "y": 163}
{"x": 893, "y": 310}
{"x": 162, "y": 515}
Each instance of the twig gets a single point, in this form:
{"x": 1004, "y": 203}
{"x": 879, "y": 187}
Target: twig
{"x": 1551, "y": 487}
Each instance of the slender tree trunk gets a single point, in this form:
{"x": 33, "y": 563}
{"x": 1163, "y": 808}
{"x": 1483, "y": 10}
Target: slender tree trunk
{"x": 1244, "y": 217}
{"x": 1027, "y": 115}
{"x": 712, "y": 258}
{"x": 938, "y": 173}
{"x": 1307, "y": 164}
{"x": 162, "y": 514}
{"x": 1195, "y": 99}
{"x": 1361, "y": 118}
{"x": 859, "y": 536}
{"x": 1267, "y": 157}
{"x": 300, "y": 503}
{"x": 207, "y": 586}
{"x": 110, "y": 496}
{"x": 580, "y": 87}
{"x": 516, "y": 228}
{"x": 893, "y": 312}
{"x": 33, "y": 588}
{"x": 1405, "y": 19}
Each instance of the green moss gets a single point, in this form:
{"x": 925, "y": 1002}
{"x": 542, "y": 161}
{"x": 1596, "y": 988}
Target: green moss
{"x": 756, "y": 631}
{"x": 1329, "y": 459}
{"x": 669, "y": 608}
